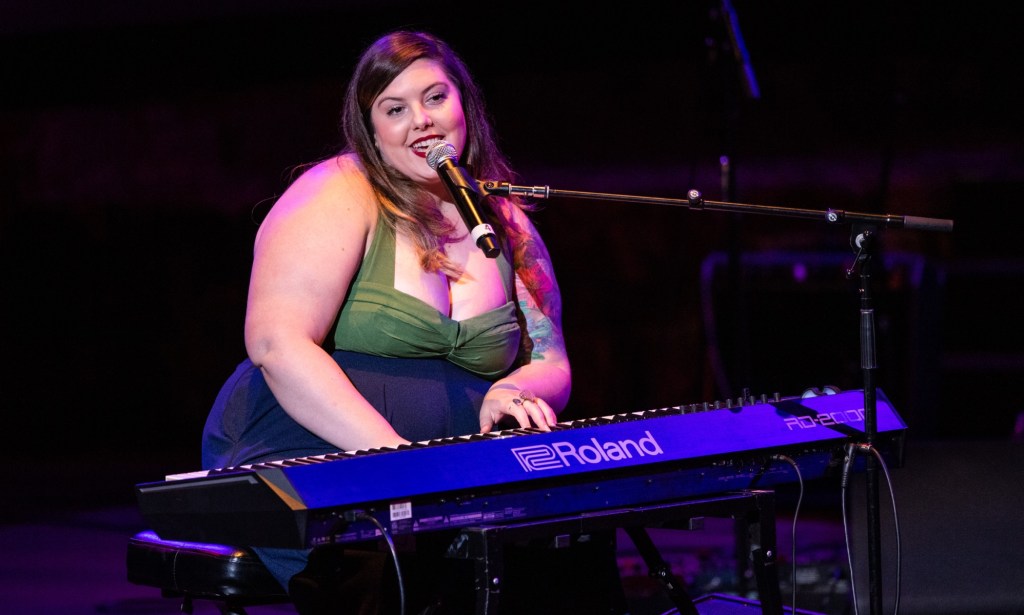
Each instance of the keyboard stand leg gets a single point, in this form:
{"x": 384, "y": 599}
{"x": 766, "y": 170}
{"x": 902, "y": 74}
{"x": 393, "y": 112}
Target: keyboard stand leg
{"x": 741, "y": 553}
{"x": 659, "y": 569}
{"x": 486, "y": 549}
{"x": 760, "y": 524}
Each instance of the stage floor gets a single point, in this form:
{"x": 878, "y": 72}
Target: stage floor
{"x": 74, "y": 564}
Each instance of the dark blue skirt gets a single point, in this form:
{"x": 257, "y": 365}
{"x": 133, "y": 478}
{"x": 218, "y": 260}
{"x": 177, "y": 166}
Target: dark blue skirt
{"x": 423, "y": 399}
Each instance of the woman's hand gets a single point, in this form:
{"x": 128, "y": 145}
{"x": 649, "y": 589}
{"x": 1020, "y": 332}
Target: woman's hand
{"x": 502, "y": 404}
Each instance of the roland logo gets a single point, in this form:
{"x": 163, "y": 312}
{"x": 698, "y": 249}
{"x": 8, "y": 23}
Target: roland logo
{"x": 567, "y": 454}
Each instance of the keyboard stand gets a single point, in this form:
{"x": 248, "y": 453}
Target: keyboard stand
{"x": 754, "y": 509}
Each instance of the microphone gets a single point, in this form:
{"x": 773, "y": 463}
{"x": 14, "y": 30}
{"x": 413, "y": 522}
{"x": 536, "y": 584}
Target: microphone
{"x": 442, "y": 158}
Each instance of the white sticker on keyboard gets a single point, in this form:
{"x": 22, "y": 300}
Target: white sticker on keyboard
{"x": 401, "y": 510}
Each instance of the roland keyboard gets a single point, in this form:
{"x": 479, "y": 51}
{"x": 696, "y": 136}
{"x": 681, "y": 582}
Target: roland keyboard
{"x": 631, "y": 459}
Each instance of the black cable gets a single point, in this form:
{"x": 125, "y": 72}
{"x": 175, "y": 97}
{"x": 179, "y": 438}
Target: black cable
{"x": 896, "y": 526}
{"x": 844, "y": 485}
{"x": 847, "y": 464}
{"x": 796, "y": 515}
{"x": 394, "y": 555}
{"x": 846, "y": 537}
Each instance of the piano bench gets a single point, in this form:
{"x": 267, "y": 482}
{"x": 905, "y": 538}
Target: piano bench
{"x": 231, "y": 577}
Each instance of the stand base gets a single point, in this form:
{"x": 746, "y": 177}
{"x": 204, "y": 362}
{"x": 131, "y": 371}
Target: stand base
{"x": 721, "y": 604}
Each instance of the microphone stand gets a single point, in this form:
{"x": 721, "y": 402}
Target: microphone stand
{"x": 864, "y": 238}
{"x": 865, "y": 242}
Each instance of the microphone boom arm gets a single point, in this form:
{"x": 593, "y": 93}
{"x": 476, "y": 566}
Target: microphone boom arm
{"x": 694, "y": 200}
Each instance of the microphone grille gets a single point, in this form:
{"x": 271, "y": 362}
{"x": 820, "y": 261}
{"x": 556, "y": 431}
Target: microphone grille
{"x": 442, "y": 150}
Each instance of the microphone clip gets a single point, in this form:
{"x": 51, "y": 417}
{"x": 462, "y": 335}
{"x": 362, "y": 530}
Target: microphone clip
{"x": 490, "y": 187}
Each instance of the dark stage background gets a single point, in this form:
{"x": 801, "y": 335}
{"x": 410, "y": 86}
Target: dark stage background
{"x": 139, "y": 141}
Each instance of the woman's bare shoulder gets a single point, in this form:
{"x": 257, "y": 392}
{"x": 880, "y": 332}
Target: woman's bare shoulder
{"x": 338, "y": 177}
{"x": 335, "y": 186}
{"x": 332, "y": 197}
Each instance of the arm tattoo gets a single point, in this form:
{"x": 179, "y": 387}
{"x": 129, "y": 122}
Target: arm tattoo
{"x": 539, "y": 298}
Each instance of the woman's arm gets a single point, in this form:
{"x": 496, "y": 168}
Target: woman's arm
{"x": 544, "y": 374}
{"x": 307, "y": 253}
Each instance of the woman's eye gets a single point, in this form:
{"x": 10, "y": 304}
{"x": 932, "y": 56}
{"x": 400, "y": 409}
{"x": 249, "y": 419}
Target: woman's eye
{"x": 437, "y": 97}
{"x": 395, "y": 110}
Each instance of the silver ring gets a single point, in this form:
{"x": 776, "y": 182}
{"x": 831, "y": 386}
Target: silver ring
{"x": 527, "y": 395}
{"x": 517, "y": 401}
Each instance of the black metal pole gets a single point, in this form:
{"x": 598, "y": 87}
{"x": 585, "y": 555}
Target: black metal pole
{"x": 865, "y": 241}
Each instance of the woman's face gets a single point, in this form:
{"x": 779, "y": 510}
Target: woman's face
{"x": 420, "y": 107}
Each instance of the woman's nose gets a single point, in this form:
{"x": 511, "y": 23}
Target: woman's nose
{"x": 421, "y": 119}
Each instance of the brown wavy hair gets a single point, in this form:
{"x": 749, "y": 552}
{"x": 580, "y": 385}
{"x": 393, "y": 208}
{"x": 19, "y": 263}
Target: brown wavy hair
{"x": 403, "y": 204}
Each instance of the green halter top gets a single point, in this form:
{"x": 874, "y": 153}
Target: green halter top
{"x": 379, "y": 320}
